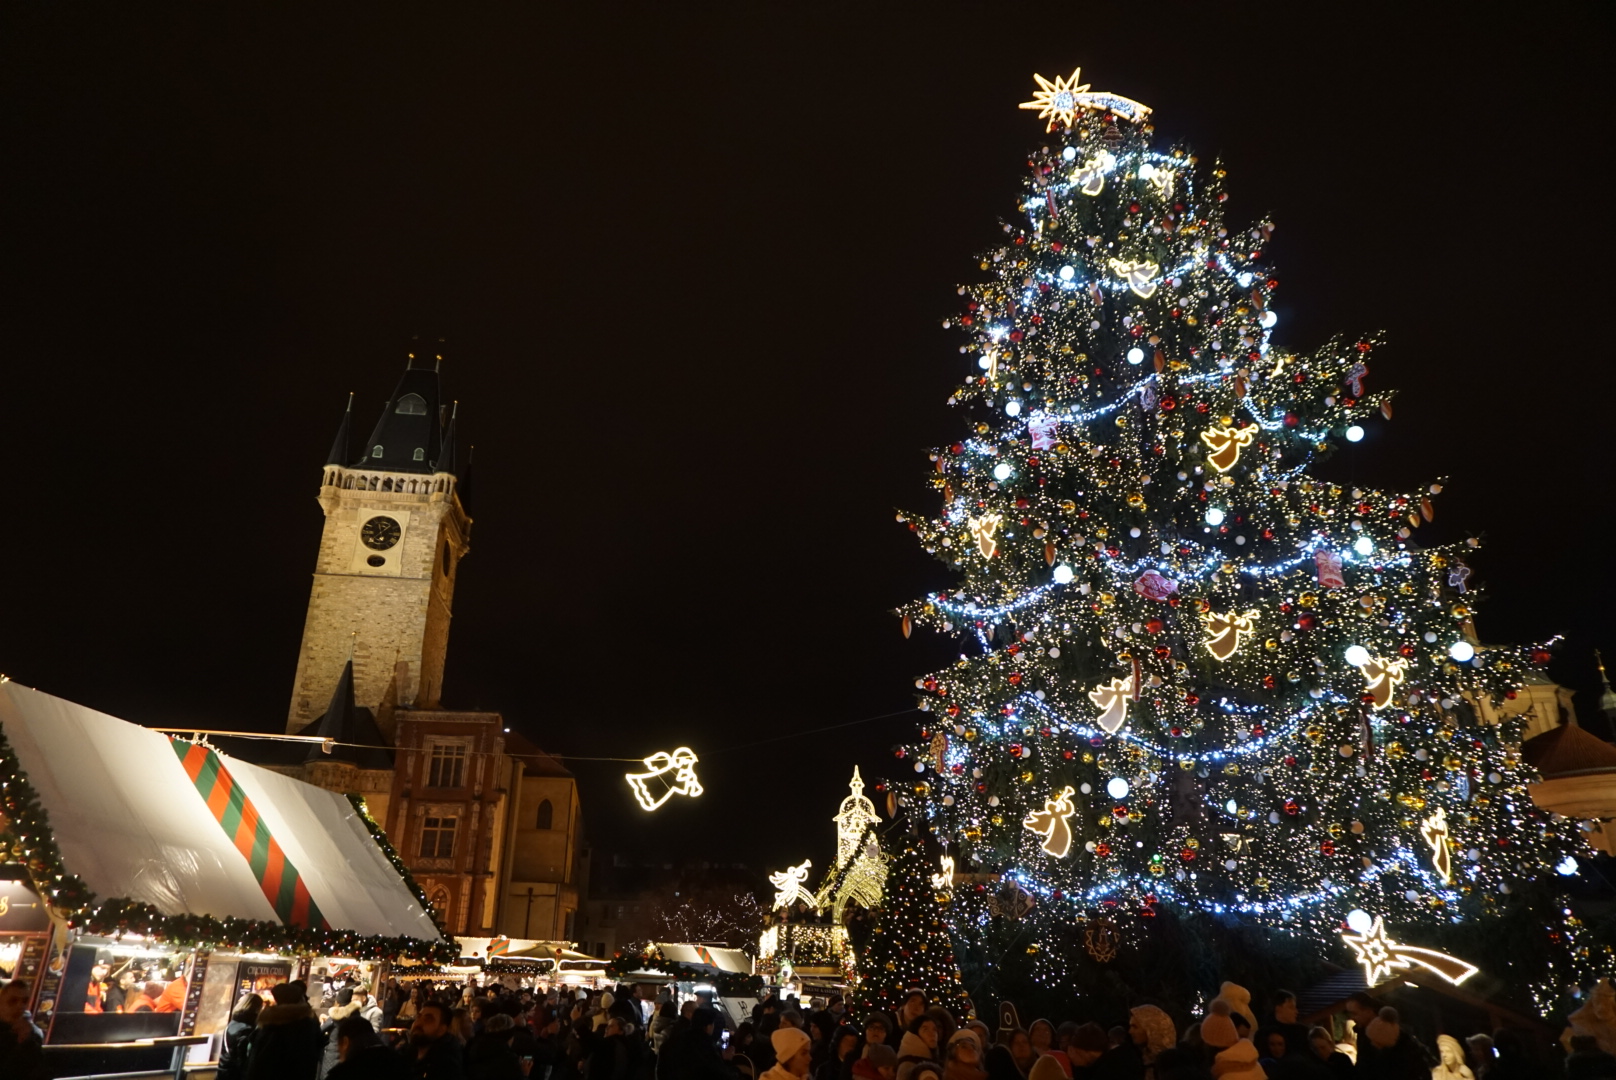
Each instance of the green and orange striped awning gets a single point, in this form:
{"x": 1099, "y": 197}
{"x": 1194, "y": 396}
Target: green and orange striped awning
{"x": 235, "y": 813}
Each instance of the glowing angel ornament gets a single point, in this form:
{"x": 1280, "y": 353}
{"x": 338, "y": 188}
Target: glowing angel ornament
{"x": 1226, "y": 633}
{"x": 790, "y": 885}
{"x": 1434, "y": 831}
{"x": 1091, "y": 174}
{"x": 1139, "y": 276}
{"x": 1382, "y": 678}
{"x": 1058, "y": 100}
{"x": 1054, "y": 823}
{"x": 1112, "y": 699}
{"x": 669, "y": 775}
{"x": 1225, "y": 444}
{"x": 983, "y": 529}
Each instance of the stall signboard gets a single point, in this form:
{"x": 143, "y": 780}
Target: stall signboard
{"x": 193, "y": 993}
{"x": 260, "y": 979}
{"x": 50, "y": 984}
{"x": 21, "y": 910}
{"x": 33, "y": 957}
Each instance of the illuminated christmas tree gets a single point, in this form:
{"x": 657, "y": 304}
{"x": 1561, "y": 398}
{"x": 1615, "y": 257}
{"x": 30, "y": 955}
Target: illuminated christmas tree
{"x": 910, "y": 948}
{"x": 1198, "y": 678}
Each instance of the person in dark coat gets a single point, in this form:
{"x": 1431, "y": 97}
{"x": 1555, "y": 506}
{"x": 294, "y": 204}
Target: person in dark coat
{"x": 489, "y": 1055}
{"x": 286, "y": 1044}
{"x": 691, "y": 1054}
{"x": 233, "y": 1056}
{"x": 22, "y": 1052}
{"x": 362, "y": 1055}
{"x": 344, "y": 1007}
{"x": 434, "y": 1053}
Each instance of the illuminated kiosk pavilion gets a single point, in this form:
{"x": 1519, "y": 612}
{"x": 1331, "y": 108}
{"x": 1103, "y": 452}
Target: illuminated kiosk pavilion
{"x": 808, "y": 937}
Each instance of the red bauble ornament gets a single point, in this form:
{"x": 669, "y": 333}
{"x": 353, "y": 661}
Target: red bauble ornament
{"x": 1153, "y": 625}
{"x": 1102, "y": 849}
{"x": 1327, "y": 848}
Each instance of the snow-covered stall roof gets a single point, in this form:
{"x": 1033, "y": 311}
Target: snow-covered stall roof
{"x": 139, "y": 816}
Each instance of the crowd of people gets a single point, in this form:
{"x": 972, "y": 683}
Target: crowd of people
{"x": 443, "y": 1031}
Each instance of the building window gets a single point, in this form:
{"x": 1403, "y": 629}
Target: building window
{"x": 570, "y": 925}
{"x": 600, "y": 948}
{"x": 420, "y": 455}
{"x": 438, "y": 837}
{"x": 411, "y": 405}
{"x": 546, "y": 815}
{"x": 446, "y": 564}
{"x": 447, "y": 767}
{"x": 376, "y": 451}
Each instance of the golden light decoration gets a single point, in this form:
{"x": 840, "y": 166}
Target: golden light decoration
{"x": 1225, "y": 633}
{"x": 790, "y": 885}
{"x": 1381, "y": 679}
{"x": 681, "y": 764}
{"x": 1054, "y": 823}
{"x": 1059, "y": 100}
{"x": 1139, "y": 275}
{"x": 1112, "y": 699}
{"x": 1379, "y": 956}
{"x": 1434, "y": 831}
{"x": 943, "y": 880}
{"x": 983, "y": 529}
{"x": 1225, "y": 444}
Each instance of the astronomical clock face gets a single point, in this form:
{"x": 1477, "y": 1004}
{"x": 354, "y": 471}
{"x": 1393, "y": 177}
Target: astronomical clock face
{"x": 380, "y": 533}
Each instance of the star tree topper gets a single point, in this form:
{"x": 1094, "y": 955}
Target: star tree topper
{"x": 1058, "y": 101}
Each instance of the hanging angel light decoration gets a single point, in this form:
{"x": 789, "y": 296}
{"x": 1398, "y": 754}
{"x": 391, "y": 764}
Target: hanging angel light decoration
{"x": 669, "y": 775}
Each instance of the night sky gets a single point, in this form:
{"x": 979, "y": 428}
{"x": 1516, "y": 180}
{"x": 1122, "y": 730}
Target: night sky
{"x": 690, "y": 266}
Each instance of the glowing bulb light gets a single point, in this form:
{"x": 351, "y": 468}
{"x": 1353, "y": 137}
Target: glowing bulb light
{"x": 1214, "y": 516}
{"x": 1063, "y": 574}
{"x": 1355, "y": 433}
{"x": 1356, "y": 655}
{"x": 1002, "y": 471}
{"x": 1462, "y": 651}
{"x": 1136, "y": 355}
{"x": 1363, "y": 545}
{"x": 1117, "y": 788}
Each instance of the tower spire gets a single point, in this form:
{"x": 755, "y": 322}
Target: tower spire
{"x": 339, "y": 445}
{"x": 446, "y": 460}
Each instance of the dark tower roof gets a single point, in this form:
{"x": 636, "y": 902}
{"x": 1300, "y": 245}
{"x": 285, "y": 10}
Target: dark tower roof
{"x": 345, "y": 723}
{"x": 408, "y": 437}
{"x": 339, "y": 445}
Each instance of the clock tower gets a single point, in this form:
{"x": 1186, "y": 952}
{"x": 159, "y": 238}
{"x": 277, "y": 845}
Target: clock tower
{"x": 395, "y": 532}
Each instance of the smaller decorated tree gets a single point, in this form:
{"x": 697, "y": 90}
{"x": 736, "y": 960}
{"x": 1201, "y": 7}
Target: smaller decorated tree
{"x": 910, "y": 947}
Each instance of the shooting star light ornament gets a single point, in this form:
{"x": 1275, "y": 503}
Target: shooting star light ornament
{"x": 1059, "y": 99}
{"x": 1380, "y": 957}
{"x": 789, "y": 885}
{"x": 674, "y": 774}
{"x": 1054, "y": 823}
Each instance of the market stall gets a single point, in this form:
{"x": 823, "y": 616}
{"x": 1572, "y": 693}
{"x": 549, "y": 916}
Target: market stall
{"x": 172, "y": 879}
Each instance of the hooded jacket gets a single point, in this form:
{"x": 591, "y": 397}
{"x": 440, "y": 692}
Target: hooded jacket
{"x": 286, "y": 1045}
{"x": 1159, "y": 1031}
{"x": 1238, "y": 1062}
{"x": 913, "y": 1048}
{"x": 328, "y": 1029}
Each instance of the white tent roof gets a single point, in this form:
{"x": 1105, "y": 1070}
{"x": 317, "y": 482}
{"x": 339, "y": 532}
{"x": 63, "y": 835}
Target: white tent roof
{"x": 131, "y": 823}
{"x": 731, "y": 960}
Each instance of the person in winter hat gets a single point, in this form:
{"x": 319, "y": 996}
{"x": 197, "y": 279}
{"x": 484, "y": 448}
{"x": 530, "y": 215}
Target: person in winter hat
{"x": 1047, "y": 1068}
{"x": 1152, "y": 1031}
{"x": 1238, "y": 1062}
{"x": 1392, "y": 1053}
{"x": 793, "y": 1054}
{"x": 1217, "y": 1030}
{"x": 880, "y": 1062}
{"x": 1239, "y": 999}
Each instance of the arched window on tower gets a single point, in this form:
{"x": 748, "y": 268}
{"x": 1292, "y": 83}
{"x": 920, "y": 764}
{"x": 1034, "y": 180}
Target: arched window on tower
{"x": 546, "y": 815}
{"x": 411, "y": 405}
